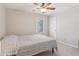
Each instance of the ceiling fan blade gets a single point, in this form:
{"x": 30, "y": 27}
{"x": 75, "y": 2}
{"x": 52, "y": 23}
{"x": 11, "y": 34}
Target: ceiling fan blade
{"x": 35, "y": 3}
{"x": 39, "y": 4}
{"x": 50, "y": 8}
{"x": 47, "y": 4}
{"x": 42, "y": 4}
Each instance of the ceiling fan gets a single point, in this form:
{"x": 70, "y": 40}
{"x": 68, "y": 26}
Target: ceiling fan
{"x": 45, "y": 6}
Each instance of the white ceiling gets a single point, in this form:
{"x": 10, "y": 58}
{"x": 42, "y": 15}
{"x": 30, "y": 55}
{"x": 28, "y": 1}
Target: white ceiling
{"x": 60, "y": 7}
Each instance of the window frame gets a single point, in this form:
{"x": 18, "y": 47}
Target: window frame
{"x": 37, "y": 20}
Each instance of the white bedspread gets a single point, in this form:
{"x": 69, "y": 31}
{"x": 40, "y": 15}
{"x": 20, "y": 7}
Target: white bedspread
{"x": 27, "y": 44}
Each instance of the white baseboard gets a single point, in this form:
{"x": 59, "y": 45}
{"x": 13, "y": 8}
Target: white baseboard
{"x": 67, "y": 44}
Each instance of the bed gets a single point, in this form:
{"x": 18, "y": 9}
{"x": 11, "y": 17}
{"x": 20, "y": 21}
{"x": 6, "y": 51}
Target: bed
{"x": 26, "y": 45}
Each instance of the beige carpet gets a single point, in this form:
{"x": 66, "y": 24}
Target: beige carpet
{"x": 63, "y": 50}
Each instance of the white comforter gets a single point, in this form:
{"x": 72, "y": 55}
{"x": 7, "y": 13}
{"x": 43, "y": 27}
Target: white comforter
{"x": 27, "y": 45}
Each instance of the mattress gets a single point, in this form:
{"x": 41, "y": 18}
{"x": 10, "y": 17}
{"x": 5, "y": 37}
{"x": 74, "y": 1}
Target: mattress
{"x": 27, "y": 44}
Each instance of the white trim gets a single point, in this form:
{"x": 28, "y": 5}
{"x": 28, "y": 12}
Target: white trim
{"x": 74, "y": 46}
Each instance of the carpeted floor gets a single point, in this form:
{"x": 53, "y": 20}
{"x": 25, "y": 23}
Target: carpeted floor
{"x": 63, "y": 50}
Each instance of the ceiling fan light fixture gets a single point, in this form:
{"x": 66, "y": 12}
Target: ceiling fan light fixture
{"x": 43, "y": 10}
{"x": 44, "y": 7}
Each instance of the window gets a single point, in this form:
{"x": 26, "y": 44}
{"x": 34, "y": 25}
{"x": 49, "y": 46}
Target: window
{"x": 39, "y": 25}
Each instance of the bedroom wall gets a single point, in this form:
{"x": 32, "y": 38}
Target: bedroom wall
{"x": 52, "y": 26}
{"x": 19, "y": 22}
{"x": 2, "y": 23}
{"x": 68, "y": 27}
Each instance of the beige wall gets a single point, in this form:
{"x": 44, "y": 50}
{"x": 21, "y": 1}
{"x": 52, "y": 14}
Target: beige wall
{"x": 19, "y": 22}
{"x": 2, "y": 21}
{"x": 68, "y": 26}
{"x": 2, "y": 24}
